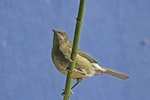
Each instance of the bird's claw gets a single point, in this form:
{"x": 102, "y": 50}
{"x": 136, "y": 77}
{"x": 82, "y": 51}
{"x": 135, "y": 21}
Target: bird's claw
{"x": 70, "y": 60}
{"x": 63, "y": 93}
{"x": 67, "y": 69}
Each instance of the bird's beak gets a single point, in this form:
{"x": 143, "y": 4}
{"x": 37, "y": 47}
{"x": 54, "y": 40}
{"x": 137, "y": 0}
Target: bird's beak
{"x": 58, "y": 35}
{"x": 53, "y": 30}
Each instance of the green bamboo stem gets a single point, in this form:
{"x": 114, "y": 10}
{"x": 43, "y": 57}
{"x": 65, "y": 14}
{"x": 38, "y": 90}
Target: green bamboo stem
{"x": 74, "y": 49}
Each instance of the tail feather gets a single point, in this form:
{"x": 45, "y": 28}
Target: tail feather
{"x": 116, "y": 74}
{"x": 102, "y": 70}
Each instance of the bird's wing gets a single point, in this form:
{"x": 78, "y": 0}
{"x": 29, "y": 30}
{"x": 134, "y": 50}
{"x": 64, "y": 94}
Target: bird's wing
{"x": 67, "y": 53}
{"x": 81, "y": 53}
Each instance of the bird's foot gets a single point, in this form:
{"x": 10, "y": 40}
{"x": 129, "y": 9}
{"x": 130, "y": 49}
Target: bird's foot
{"x": 70, "y": 60}
{"x": 63, "y": 93}
{"x": 68, "y": 69}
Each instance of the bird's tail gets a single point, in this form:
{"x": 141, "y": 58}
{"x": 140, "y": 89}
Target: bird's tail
{"x": 115, "y": 73}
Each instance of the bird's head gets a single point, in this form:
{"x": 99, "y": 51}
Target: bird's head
{"x": 60, "y": 36}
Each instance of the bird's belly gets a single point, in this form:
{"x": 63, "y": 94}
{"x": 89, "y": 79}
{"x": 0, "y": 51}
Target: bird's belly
{"x": 62, "y": 65}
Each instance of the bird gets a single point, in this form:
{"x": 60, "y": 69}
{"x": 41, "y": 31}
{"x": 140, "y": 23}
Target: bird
{"x": 85, "y": 66}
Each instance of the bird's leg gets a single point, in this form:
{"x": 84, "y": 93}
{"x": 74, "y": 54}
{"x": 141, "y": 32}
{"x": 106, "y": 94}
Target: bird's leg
{"x": 78, "y": 81}
{"x": 68, "y": 69}
{"x": 70, "y": 60}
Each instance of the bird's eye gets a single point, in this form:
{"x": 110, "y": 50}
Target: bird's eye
{"x": 62, "y": 33}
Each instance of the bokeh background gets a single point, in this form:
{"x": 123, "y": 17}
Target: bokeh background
{"x": 115, "y": 32}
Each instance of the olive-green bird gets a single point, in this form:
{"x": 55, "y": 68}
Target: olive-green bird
{"x": 85, "y": 65}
